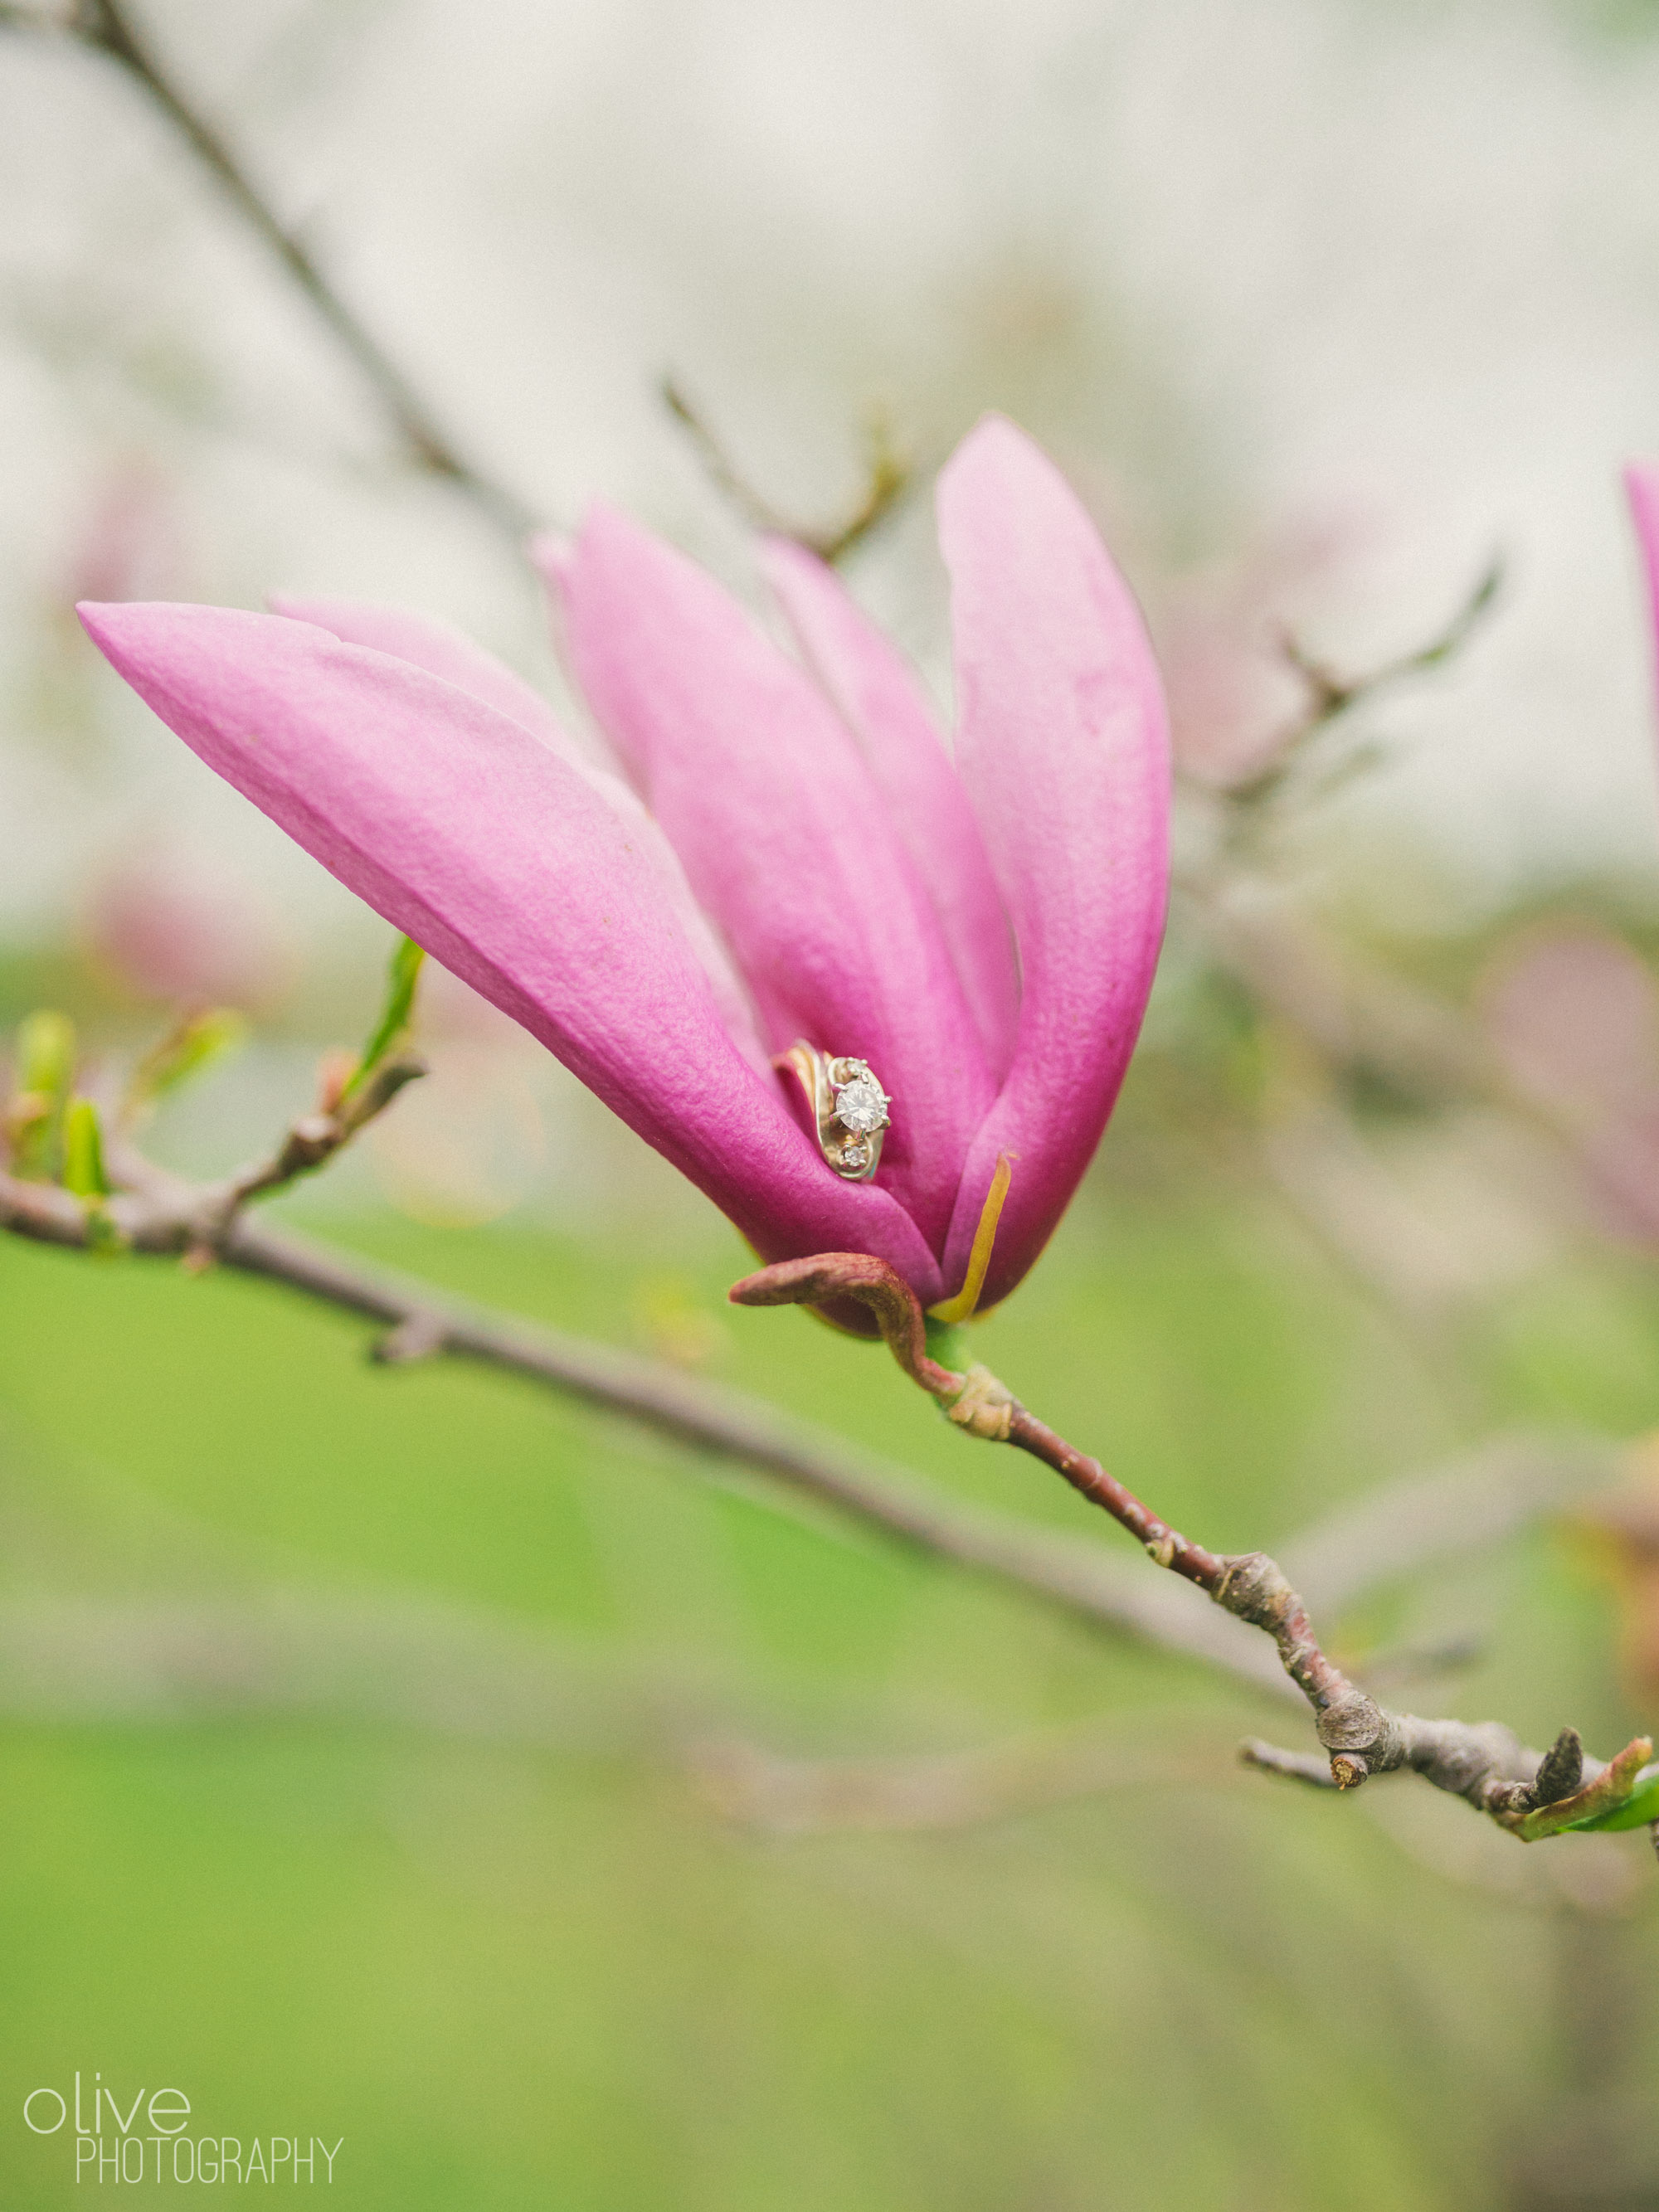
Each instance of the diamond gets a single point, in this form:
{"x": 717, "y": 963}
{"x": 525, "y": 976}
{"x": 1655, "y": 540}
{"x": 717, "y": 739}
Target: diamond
{"x": 860, "y": 1107}
{"x": 855, "y": 1156}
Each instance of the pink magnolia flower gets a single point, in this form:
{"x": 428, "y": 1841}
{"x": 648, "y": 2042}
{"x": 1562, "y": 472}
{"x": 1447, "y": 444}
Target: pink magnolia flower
{"x": 793, "y": 855}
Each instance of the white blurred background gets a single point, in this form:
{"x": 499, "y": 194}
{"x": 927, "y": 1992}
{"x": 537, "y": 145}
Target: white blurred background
{"x": 1319, "y": 303}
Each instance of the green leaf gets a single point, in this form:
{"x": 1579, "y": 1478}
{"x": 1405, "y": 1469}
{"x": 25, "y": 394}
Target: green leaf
{"x": 45, "y": 1052}
{"x": 1640, "y": 1808}
{"x": 45, "y": 1070}
{"x": 402, "y": 976}
{"x": 198, "y": 1040}
{"x": 83, "y": 1151}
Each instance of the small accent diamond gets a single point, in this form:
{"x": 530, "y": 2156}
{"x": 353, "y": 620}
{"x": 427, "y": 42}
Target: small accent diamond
{"x": 855, "y": 1156}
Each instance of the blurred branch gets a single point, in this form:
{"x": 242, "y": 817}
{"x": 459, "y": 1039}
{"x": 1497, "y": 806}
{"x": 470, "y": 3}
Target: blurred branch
{"x": 1532, "y": 1794}
{"x": 1364, "y": 1025}
{"x": 1330, "y": 694}
{"x": 779, "y": 1795}
{"x": 158, "y": 1215}
{"x": 107, "y": 27}
{"x": 159, "y": 1661}
{"x": 1344, "y": 1034}
{"x": 1355, "y": 1013}
{"x": 462, "y": 1673}
{"x": 125, "y": 1203}
{"x": 1463, "y": 1506}
{"x": 759, "y": 1789}
{"x": 886, "y": 479}
{"x": 168, "y": 1218}
{"x": 148, "y": 1211}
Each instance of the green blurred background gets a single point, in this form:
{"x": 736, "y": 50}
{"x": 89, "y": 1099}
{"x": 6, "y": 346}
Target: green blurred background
{"x": 364, "y": 1733}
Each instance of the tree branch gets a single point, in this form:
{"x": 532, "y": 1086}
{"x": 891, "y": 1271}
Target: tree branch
{"x": 887, "y": 478}
{"x": 168, "y": 1218}
{"x": 162, "y": 1660}
{"x": 778, "y": 1796}
{"x": 160, "y": 1216}
{"x": 1531, "y": 1794}
{"x": 107, "y": 27}
{"x": 1331, "y": 694}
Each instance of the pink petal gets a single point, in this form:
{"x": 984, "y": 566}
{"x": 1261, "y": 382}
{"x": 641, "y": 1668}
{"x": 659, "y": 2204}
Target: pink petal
{"x": 447, "y": 652}
{"x": 455, "y": 823}
{"x": 438, "y": 647}
{"x": 878, "y": 694}
{"x": 785, "y": 838}
{"x": 1063, "y": 746}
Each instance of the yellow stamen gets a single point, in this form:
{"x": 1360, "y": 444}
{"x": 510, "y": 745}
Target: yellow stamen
{"x": 961, "y": 1307}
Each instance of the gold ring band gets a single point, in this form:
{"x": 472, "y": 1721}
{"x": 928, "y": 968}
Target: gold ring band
{"x": 849, "y": 1108}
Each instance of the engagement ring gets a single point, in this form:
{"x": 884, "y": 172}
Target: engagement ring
{"x": 849, "y": 1108}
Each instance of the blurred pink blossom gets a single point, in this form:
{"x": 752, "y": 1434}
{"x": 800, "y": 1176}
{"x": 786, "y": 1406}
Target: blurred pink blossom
{"x": 161, "y": 928}
{"x": 1574, "y": 1015}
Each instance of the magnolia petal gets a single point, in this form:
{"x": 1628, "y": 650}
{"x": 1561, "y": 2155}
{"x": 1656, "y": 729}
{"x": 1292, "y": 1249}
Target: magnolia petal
{"x": 1063, "y": 747}
{"x": 460, "y": 828}
{"x": 437, "y": 647}
{"x": 878, "y": 694}
{"x": 447, "y": 652}
{"x": 786, "y": 840}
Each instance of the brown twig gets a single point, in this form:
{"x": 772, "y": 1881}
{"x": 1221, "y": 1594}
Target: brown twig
{"x": 107, "y": 26}
{"x": 1533, "y": 1795}
{"x": 1294, "y": 1766}
{"x": 1331, "y": 694}
{"x": 887, "y": 477}
{"x": 313, "y": 1140}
